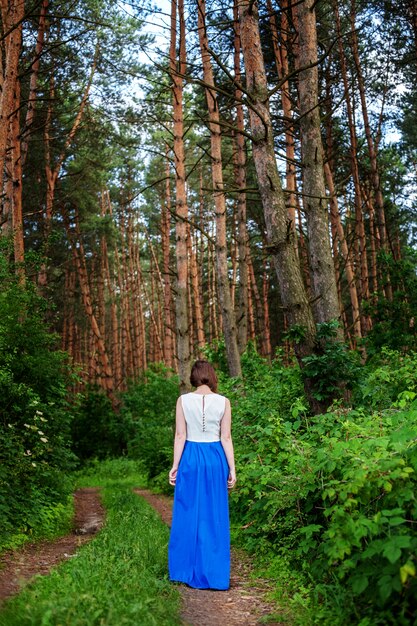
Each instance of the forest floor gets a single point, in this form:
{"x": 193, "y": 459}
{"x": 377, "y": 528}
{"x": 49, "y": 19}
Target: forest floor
{"x": 18, "y": 566}
{"x": 244, "y": 604}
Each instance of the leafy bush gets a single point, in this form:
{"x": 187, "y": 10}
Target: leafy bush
{"x": 389, "y": 377}
{"x": 103, "y": 473}
{"x": 333, "y": 496}
{"x": 264, "y": 387}
{"x": 148, "y": 413}
{"x": 332, "y": 369}
{"x": 34, "y": 414}
{"x": 97, "y": 431}
{"x": 395, "y": 319}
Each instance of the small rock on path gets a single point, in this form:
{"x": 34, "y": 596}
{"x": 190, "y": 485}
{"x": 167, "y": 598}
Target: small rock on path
{"x": 242, "y": 605}
{"x": 18, "y": 566}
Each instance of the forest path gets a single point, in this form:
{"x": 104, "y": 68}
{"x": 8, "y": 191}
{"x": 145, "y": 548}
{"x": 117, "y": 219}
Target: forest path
{"x": 242, "y": 605}
{"x": 18, "y": 566}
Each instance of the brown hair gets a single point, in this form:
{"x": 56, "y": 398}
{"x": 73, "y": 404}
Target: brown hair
{"x": 202, "y": 373}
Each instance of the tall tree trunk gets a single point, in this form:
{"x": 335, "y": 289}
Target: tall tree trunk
{"x": 280, "y": 236}
{"x": 304, "y": 261}
{"x": 281, "y": 61}
{"x": 375, "y": 179}
{"x": 165, "y": 244}
{"x": 114, "y": 338}
{"x": 153, "y": 309}
{"x": 324, "y": 287}
{"x": 350, "y": 274}
{"x": 228, "y": 316}
{"x": 360, "y": 226}
{"x": 258, "y": 305}
{"x": 79, "y": 261}
{"x": 134, "y": 262}
{"x": 12, "y": 17}
{"x": 240, "y": 160}
{"x": 30, "y": 112}
{"x": 267, "y": 330}
{"x": 191, "y": 316}
{"x": 16, "y": 178}
{"x": 337, "y": 226}
{"x": 233, "y": 254}
{"x": 251, "y": 311}
{"x": 101, "y": 279}
{"x": 212, "y": 294}
{"x": 141, "y": 328}
{"x": 181, "y": 209}
{"x": 123, "y": 309}
{"x": 373, "y": 245}
{"x": 195, "y": 292}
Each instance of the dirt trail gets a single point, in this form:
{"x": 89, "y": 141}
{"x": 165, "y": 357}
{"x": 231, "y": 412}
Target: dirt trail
{"x": 242, "y": 605}
{"x": 17, "y": 566}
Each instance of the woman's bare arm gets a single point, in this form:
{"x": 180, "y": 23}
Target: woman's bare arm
{"x": 227, "y": 443}
{"x": 179, "y": 441}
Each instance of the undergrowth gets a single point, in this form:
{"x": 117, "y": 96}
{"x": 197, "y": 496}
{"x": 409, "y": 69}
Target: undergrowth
{"x": 48, "y": 522}
{"x": 328, "y": 503}
{"x": 35, "y": 416}
{"x": 120, "y": 577}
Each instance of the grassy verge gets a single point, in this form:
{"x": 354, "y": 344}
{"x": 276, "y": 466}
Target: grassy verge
{"x": 119, "y": 578}
{"x": 298, "y": 599}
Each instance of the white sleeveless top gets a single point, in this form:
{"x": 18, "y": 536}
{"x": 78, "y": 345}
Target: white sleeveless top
{"x": 203, "y": 414}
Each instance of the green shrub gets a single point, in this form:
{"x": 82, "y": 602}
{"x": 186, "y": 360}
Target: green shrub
{"x": 97, "y": 431}
{"x": 121, "y": 470}
{"x": 148, "y": 413}
{"x": 334, "y": 496}
{"x": 34, "y": 415}
{"x": 389, "y": 377}
{"x": 332, "y": 370}
{"x": 394, "y": 320}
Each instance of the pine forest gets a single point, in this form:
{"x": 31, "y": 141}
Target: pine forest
{"x": 228, "y": 181}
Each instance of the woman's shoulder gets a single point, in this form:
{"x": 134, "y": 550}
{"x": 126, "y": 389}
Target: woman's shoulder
{"x": 221, "y": 397}
{"x": 190, "y": 396}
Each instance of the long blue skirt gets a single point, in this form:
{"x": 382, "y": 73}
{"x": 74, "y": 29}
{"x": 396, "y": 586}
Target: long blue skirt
{"x": 199, "y": 545}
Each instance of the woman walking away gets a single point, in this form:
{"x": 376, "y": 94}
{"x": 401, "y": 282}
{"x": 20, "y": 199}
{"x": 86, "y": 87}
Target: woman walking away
{"x": 203, "y": 469}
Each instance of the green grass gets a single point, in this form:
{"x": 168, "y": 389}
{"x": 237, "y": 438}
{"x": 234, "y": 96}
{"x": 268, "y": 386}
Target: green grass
{"x": 119, "y": 578}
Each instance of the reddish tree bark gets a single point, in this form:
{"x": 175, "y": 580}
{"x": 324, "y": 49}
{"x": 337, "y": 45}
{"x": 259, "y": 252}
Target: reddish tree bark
{"x": 177, "y": 71}
{"x": 228, "y": 316}
{"x": 30, "y": 112}
{"x": 240, "y": 163}
{"x": 165, "y": 244}
{"x": 280, "y": 43}
{"x": 279, "y": 234}
{"x": 82, "y": 274}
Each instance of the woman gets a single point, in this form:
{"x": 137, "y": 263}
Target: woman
{"x": 203, "y": 469}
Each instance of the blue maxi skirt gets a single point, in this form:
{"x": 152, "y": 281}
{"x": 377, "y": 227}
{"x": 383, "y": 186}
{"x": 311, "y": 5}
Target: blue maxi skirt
{"x": 199, "y": 545}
